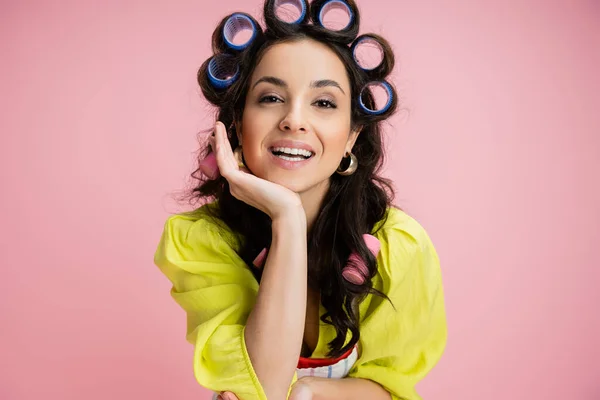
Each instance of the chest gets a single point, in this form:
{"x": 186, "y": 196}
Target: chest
{"x": 320, "y": 367}
{"x": 311, "y": 324}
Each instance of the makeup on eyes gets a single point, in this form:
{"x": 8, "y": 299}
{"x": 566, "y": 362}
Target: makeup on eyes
{"x": 327, "y": 101}
{"x": 321, "y": 103}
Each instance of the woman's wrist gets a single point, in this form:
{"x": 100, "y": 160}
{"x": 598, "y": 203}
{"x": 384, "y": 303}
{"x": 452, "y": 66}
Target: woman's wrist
{"x": 293, "y": 218}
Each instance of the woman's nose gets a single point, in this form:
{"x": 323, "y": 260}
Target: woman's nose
{"x": 294, "y": 120}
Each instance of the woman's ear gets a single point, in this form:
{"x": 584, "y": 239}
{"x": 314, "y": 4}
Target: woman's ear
{"x": 352, "y": 138}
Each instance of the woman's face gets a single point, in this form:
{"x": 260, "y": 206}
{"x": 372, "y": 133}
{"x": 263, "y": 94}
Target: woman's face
{"x": 295, "y": 127}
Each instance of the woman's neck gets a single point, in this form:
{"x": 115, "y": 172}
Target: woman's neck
{"x": 312, "y": 200}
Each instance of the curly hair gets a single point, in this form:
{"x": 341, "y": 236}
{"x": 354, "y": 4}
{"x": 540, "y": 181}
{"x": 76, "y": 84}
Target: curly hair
{"x": 353, "y": 204}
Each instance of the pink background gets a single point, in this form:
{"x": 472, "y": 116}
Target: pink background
{"x": 499, "y": 159}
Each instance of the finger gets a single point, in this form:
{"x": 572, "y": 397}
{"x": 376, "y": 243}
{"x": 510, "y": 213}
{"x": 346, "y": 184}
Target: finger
{"x": 228, "y": 152}
{"x": 225, "y": 158}
{"x": 226, "y": 146}
{"x": 301, "y": 392}
{"x": 229, "y": 396}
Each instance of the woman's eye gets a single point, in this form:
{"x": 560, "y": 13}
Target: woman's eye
{"x": 320, "y": 103}
{"x": 268, "y": 99}
{"x": 326, "y": 104}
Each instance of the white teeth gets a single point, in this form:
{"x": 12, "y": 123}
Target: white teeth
{"x": 291, "y": 158}
{"x": 293, "y": 151}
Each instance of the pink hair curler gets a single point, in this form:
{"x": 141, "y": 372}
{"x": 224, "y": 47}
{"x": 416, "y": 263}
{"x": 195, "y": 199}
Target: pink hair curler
{"x": 260, "y": 259}
{"x": 356, "y": 270}
{"x": 209, "y": 167}
{"x": 372, "y": 243}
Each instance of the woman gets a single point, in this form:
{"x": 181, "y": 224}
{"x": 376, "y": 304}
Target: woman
{"x": 300, "y": 270}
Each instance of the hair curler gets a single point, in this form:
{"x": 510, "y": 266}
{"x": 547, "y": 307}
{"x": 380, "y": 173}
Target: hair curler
{"x": 356, "y": 270}
{"x": 335, "y": 5}
{"x": 377, "y": 111}
{"x": 300, "y": 5}
{"x": 235, "y": 24}
{"x": 223, "y": 71}
{"x": 362, "y": 50}
{"x": 209, "y": 167}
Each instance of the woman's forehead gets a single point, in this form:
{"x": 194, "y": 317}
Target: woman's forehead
{"x": 301, "y": 62}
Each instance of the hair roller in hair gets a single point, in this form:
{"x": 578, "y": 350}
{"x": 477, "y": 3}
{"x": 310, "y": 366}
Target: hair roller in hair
{"x": 353, "y": 275}
{"x": 223, "y": 70}
{"x": 239, "y": 26}
{"x": 356, "y": 270}
{"x": 367, "y": 52}
{"x": 290, "y": 11}
{"x": 335, "y": 15}
{"x": 260, "y": 259}
{"x": 209, "y": 166}
{"x": 370, "y": 96}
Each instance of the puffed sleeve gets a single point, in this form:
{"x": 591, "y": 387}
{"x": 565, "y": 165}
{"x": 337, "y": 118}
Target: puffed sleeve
{"x": 400, "y": 346}
{"x": 217, "y": 291}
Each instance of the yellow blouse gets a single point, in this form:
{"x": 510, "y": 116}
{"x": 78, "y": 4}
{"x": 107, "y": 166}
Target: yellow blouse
{"x": 397, "y": 348}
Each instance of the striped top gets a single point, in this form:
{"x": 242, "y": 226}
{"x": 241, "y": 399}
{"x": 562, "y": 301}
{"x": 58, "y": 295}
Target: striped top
{"x": 328, "y": 367}
{"x": 335, "y": 368}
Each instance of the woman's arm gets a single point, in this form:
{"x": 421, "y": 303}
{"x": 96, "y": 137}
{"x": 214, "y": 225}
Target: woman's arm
{"x": 346, "y": 388}
{"x": 275, "y": 326}
{"x": 313, "y": 388}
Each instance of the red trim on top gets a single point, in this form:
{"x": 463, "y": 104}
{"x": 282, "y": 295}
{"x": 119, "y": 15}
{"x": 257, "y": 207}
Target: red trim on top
{"x": 304, "y": 362}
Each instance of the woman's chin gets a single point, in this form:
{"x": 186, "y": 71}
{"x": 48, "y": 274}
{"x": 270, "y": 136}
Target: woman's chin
{"x": 293, "y": 180}
{"x": 300, "y": 185}
{"x": 294, "y": 186}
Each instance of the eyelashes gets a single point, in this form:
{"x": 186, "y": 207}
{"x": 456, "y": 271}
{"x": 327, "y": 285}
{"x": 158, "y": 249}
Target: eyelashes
{"x": 266, "y": 99}
{"x": 324, "y": 103}
{"x": 329, "y": 103}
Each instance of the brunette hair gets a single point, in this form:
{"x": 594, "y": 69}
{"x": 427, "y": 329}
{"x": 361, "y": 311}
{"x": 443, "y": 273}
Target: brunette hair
{"x": 353, "y": 204}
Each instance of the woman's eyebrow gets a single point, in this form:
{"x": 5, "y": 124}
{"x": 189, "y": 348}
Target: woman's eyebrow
{"x": 326, "y": 82}
{"x": 314, "y": 84}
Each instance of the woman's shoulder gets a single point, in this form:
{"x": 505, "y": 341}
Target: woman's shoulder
{"x": 397, "y": 222}
{"x": 200, "y": 221}
{"x": 198, "y": 230}
{"x": 405, "y": 246}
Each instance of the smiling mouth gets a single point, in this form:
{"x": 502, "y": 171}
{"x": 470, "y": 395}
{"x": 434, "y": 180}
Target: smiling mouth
{"x": 289, "y": 154}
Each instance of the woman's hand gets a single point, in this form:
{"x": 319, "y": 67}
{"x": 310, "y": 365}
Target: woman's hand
{"x": 300, "y": 391}
{"x": 315, "y": 388}
{"x": 272, "y": 199}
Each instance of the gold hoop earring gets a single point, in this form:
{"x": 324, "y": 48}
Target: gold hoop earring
{"x": 239, "y": 157}
{"x": 351, "y": 168}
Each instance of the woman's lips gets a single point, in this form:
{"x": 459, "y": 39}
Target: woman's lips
{"x": 287, "y": 164}
{"x": 292, "y": 144}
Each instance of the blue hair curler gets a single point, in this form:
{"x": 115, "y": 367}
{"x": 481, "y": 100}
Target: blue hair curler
{"x": 366, "y": 42}
{"x": 333, "y": 5}
{"x": 300, "y": 6}
{"x": 235, "y": 24}
{"x": 387, "y": 105}
{"x": 223, "y": 70}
